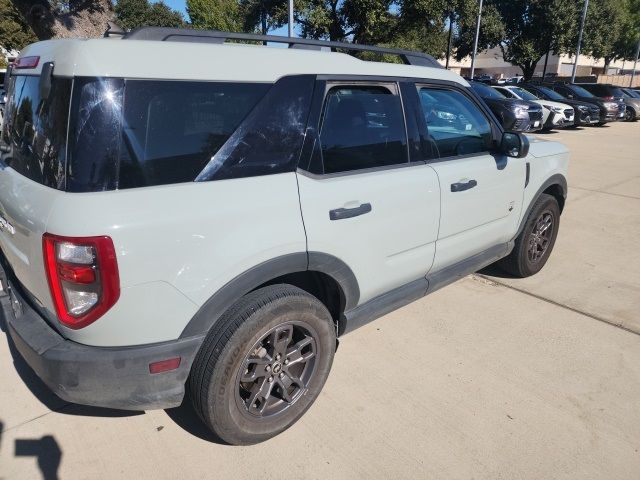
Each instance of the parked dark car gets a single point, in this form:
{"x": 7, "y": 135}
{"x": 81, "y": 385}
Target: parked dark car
{"x": 631, "y": 92}
{"x": 615, "y": 93}
{"x": 610, "y": 110}
{"x": 585, "y": 113}
{"x": 514, "y": 115}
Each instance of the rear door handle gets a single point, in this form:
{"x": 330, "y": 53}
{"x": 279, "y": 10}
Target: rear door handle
{"x": 462, "y": 186}
{"x": 341, "y": 213}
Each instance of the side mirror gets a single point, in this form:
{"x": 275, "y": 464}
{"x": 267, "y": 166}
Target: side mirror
{"x": 514, "y": 145}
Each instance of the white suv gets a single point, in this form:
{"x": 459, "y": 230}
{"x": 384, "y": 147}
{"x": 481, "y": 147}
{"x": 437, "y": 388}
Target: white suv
{"x": 215, "y": 227}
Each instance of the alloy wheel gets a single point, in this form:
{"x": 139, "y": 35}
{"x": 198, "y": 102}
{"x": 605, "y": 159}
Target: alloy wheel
{"x": 540, "y": 237}
{"x": 277, "y": 370}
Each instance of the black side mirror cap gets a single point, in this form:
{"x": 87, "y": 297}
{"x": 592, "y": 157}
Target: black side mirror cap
{"x": 514, "y": 144}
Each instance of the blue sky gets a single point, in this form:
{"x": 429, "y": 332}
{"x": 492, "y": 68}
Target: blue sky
{"x": 181, "y": 6}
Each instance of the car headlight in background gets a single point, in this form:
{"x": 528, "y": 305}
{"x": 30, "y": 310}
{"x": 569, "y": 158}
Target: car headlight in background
{"x": 520, "y": 111}
{"x": 583, "y": 108}
{"x": 610, "y": 105}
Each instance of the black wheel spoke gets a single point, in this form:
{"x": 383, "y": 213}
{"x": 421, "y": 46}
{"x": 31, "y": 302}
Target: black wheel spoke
{"x": 260, "y": 394}
{"x": 281, "y": 338}
{"x": 300, "y": 353}
{"x": 256, "y": 368}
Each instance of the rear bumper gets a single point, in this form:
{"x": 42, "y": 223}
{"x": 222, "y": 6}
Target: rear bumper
{"x": 97, "y": 376}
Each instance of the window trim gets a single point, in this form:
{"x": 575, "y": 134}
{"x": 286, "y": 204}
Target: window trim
{"x": 471, "y": 95}
{"x": 324, "y": 83}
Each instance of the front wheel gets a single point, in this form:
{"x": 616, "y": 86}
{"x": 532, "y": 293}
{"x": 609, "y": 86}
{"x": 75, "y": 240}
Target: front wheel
{"x": 263, "y": 364}
{"x": 535, "y": 243}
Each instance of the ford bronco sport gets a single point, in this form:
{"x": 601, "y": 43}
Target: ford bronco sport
{"x": 210, "y": 230}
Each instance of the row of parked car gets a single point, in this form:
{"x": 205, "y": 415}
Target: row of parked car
{"x": 532, "y": 106}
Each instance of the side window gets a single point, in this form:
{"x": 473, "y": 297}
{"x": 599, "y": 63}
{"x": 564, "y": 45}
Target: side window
{"x": 506, "y": 92}
{"x": 362, "y": 127}
{"x": 36, "y": 129}
{"x": 455, "y": 125}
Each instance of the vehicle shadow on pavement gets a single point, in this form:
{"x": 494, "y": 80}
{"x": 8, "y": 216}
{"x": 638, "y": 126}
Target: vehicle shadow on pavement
{"x": 46, "y": 396}
{"x": 186, "y": 418}
{"x": 495, "y": 271}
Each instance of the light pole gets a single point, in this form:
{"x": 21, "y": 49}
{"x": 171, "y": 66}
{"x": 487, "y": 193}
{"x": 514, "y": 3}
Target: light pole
{"x": 575, "y": 63}
{"x": 633, "y": 72}
{"x": 475, "y": 41}
{"x": 291, "y": 18}
{"x": 449, "y": 40}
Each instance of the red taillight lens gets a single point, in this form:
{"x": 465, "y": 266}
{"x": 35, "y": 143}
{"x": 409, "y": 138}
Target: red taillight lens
{"x": 26, "y": 62}
{"x": 608, "y": 98}
{"x": 83, "y": 277}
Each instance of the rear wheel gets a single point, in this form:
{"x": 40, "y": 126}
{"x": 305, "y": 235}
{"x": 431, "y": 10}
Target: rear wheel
{"x": 535, "y": 243}
{"x": 263, "y": 364}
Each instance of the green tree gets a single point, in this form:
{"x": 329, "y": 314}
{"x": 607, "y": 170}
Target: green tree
{"x": 525, "y": 30}
{"x": 603, "y": 26}
{"x": 612, "y": 29}
{"x": 132, "y": 14}
{"x": 15, "y": 33}
{"x": 215, "y": 15}
{"x": 60, "y": 19}
{"x": 465, "y": 17}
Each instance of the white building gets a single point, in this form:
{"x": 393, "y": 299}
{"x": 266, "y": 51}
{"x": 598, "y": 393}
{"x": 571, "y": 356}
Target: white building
{"x": 492, "y": 63}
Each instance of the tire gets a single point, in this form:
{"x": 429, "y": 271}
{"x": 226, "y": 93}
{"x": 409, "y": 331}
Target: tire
{"x": 521, "y": 262}
{"x": 236, "y": 365}
{"x": 630, "y": 115}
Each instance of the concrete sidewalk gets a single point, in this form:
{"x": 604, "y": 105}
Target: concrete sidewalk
{"x": 521, "y": 379}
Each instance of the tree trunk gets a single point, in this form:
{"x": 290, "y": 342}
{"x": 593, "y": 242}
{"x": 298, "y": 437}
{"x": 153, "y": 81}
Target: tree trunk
{"x": 85, "y": 18}
{"x": 528, "y": 69}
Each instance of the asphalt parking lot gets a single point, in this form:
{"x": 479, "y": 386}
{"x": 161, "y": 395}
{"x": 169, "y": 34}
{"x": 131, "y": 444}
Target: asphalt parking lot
{"x": 488, "y": 378}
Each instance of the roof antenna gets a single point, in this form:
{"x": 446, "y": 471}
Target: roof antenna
{"x": 113, "y": 29}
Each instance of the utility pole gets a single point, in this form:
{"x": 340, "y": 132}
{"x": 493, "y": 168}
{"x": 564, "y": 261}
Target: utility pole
{"x": 633, "y": 72}
{"x": 575, "y": 63}
{"x": 291, "y": 18}
{"x": 475, "y": 41}
{"x": 449, "y": 41}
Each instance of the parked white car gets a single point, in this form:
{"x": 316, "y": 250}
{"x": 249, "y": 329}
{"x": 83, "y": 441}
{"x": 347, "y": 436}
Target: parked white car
{"x": 554, "y": 114}
{"x": 215, "y": 227}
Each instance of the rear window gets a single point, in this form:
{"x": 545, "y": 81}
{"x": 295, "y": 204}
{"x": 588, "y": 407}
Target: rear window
{"x": 151, "y": 132}
{"x": 36, "y": 129}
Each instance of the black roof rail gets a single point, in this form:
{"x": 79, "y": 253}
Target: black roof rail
{"x": 166, "y": 34}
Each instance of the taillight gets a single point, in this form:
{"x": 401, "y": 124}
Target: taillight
{"x": 26, "y": 62}
{"x": 83, "y": 277}
{"x": 608, "y": 97}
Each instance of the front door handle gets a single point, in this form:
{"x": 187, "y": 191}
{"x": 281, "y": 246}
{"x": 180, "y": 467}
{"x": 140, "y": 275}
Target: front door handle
{"x": 341, "y": 213}
{"x": 462, "y": 186}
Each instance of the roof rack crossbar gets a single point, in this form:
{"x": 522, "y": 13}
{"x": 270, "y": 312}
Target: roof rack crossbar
{"x": 165, "y": 34}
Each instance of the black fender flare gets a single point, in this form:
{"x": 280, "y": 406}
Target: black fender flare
{"x": 220, "y": 301}
{"x": 556, "y": 179}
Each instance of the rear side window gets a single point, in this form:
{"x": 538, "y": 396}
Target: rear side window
{"x": 362, "y": 127}
{"x": 152, "y": 132}
{"x": 36, "y": 129}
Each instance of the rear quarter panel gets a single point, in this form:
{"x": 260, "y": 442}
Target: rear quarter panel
{"x": 177, "y": 245}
